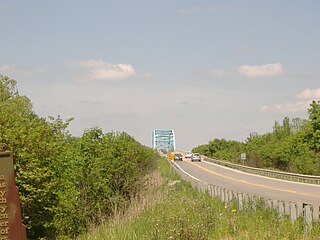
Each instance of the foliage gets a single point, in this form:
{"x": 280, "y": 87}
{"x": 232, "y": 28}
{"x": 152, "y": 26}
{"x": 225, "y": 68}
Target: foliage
{"x": 221, "y": 149}
{"x": 185, "y": 213}
{"x": 36, "y": 144}
{"x": 293, "y": 145}
{"x": 66, "y": 183}
{"x": 102, "y": 173}
{"x": 287, "y": 148}
{"x": 314, "y": 134}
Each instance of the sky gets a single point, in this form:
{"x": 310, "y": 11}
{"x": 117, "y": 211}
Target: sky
{"x": 206, "y": 69}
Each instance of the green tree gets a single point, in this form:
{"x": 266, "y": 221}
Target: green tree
{"x": 221, "y": 149}
{"x": 103, "y": 171}
{"x": 314, "y": 117}
{"x": 36, "y": 148}
{"x": 67, "y": 183}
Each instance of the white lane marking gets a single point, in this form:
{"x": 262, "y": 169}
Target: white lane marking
{"x": 187, "y": 173}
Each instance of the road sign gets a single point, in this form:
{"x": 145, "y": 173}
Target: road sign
{"x": 11, "y": 227}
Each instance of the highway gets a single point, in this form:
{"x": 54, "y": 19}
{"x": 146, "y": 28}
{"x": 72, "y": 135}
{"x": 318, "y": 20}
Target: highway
{"x": 241, "y": 182}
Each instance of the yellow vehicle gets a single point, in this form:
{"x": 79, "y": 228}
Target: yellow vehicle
{"x": 171, "y": 156}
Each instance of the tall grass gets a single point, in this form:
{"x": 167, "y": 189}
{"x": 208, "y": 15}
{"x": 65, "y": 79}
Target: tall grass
{"x": 172, "y": 209}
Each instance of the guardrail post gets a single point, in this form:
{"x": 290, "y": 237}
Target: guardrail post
{"x": 210, "y": 189}
{"x": 254, "y": 202}
{"x": 228, "y": 196}
{"x": 300, "y": 209}
{"x": 281, "y": 208}
{"x": 233, "y": 196}
{"x": 240, "y": 201}
{"x": 219, "y": 191}
{"x": 215, "y": 191}
{"x": 287, "y": 208}
{"x": 246, "y": 199}
{"x": 275, "y": 204}
{"x": 223, "y": 195}
{"x": 268, "y": 203}
{"x": 293, "y": 211}
{"x": 316, "y": 213}
{"x": 307, "y": 217}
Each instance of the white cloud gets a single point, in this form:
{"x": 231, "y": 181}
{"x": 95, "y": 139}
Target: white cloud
{"x": 309, "y": 94}
{"x": 100, "y": 70}
{"x": 266, "y": 70}
{"x": 299, "y": 106}
{"x": 306, "y": 96}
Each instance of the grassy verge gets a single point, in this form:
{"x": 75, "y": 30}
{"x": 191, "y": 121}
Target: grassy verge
{"x": 172, "y": 209}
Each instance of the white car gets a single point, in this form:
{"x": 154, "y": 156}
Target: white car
{"x": 188, "y": 155}
{"x": 196, "y": 157}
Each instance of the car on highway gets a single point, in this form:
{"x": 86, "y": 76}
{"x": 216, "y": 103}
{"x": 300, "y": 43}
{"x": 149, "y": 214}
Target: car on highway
{"x": 188, "y": 155}
{"x": 196, "y": 157}
{"x": 178, "y": 157}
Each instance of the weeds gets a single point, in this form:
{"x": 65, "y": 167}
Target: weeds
{"x": 172, "y": 209}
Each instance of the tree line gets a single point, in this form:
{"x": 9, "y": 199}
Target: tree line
{"x": 66, "y": 182}
{"x": 292, "y": 146}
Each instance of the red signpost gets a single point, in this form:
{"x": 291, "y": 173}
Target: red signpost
{"x": 11, "y": 227}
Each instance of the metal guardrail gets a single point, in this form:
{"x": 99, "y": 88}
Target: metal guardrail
{"x": 311, "y": 179}
{"x": 294, "y": 210}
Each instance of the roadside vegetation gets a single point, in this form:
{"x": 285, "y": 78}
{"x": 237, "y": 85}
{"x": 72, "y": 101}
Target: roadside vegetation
{"x": 172, "y": 209}
{"x": 67, "y": 183}
{"x": 292, "y": 146}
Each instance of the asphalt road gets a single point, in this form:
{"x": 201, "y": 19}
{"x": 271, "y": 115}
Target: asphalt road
{"x": 237, "y": 181}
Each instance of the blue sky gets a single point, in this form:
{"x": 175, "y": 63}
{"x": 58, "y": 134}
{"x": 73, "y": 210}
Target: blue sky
{"x": 207, "y": 69}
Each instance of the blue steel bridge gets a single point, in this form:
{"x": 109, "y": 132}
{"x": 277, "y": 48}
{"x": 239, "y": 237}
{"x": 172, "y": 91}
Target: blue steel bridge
{"x": 163, "y": 140}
